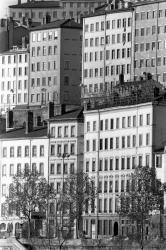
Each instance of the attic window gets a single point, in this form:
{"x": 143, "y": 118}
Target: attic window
{"x": 55, "y": 35}
{"x": 158, "y": 161}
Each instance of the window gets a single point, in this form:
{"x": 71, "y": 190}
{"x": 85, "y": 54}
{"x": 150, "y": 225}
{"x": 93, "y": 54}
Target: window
{"x": 147, "y": 160}
{"x": 122, "y": 185}
{"x": 18, "y": 169}
{"x": 93, "y": 165}
{"x": 26, "y": 151}
{"x": 147, "y": 139}
{"x": 123, "y": 122}
{"x": 58, "y": 168}
{"x": 117, "y": 164}
{"x": 128, "y": 162}
{"x": 141, "y": 120}
{"x": 148, "y": 119}
{"x": 42, "y": 150}
{"x": 133, "y": 162}
{"x": 106, "y": 165}
{"x": 140, "y": 160}
{"x": 59, "y": 132}
{"x": 34, "y": 168}
{"x": 117, "y": 142}
{"x": 128, "y": 141}
{"x": 72, "y": 131}
{"x": 111, "y": 164}
{"x": 122, "y": 163}
{"x": 34, "y": 151}
{"x": 4, "y": 189}
{"x": 11, "y": 151}
{"x": 140, "y": 139}
{"x": 52, "y": 150}
{"x": 111, "y": 143}
{"x": 94, "y": 145}
{"x": 72, "y": 168}
{"x": 87, "y": 166}
{"x": 94, "y": 125}
{"x": 123, "y": 141}
{"x": 134, "y": 140}
{"x": 4, "y": 170}
{"x": 72, "y": 149}
{"x": 59, "y": 149}
{"x": 106, "y": 143}
{"x": 52, "y": 168}
{"x": 158, "y": 160}
{"x": 111, "y": 123}
{"x": 110, "y": 186}
{"x": 66, "y": 131}
{"x": 100, "y": 165}
{"x": 19, "y": 151}
{"x": 116, "y": 186}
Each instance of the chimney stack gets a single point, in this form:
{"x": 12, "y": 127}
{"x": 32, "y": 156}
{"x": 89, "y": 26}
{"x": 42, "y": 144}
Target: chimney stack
{"x": 9, "y": 119}
{"x": 29, "y": 122}
{"x": 19, "y": 2}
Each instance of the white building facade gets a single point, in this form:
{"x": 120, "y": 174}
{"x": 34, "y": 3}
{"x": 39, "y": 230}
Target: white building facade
{"x": 18, "y": 152}
{"x": 66, "y": 150}
{"x": 14, "y": 75}
{"x": 116, "y": 140}
{"x": 107, "y": 42}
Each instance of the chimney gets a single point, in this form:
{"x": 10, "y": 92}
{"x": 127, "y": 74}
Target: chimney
{"x": 121, "y": 77}
{"x": 48, "y": 18}
{"x": 59, "y": 109}
{"x": 51, "y": 109}
{"x": 29, "y": 122}
{"x": 23, "y": 42}
{"x": 9, "y": 119}
{"x": 19, "y": 2}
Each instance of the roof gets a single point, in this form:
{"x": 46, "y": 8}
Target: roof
{"x": 63, "y": 23}
{"x": 36, "y": 5}
{"x": 103, "y": 10}
{"x": 76, "y": 114}
{"x": 146, "y": 2}
{"x": 15, "y": 51}
{"x": 20, "y": 133}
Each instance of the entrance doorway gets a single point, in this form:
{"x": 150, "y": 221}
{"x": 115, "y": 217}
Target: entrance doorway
{"x": 115, "y": 228}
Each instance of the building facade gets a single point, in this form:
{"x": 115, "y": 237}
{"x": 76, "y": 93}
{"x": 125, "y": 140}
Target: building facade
{"x": 38, "y": 10}
{"x": 55, "y": 64}
{"x": 14, "y": 71}
{"x": 150, "y": 36}
{"x": 66, "y": 150}
{"x": 116, "y": 140}
{"x": 20, "y": 151}
{"x": 107, "y": 43}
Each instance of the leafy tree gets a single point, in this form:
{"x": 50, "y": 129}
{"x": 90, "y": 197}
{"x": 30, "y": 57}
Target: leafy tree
{"x": 141, "y": 198}
{"x": 27, "y": 193}
{"x": 79, "y": 193}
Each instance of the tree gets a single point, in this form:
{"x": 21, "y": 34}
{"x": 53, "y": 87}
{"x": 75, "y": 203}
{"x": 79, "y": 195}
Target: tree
{"x": 142, "y": 198}
{"x": 79, "y": 193}
{"x": 28, "y": 192}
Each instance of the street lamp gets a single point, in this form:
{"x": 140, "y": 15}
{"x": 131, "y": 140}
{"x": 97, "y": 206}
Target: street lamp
{"x": 63, "y": 156}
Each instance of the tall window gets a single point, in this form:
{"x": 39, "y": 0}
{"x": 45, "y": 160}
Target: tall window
{"x": 34, "y": 151}
{"x": 42, "y": 150}
{"x": 19, "y": 151}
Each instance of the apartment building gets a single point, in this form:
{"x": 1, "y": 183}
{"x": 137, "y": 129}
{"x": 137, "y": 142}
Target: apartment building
{"x": 38, "y": 11}
{"x": 66, "y": 150}
{"x": 3, "y": 35}
{"x": 20, "y": 150}
{"x": 107, "y": 43}
{"x": 150, "y": 39}
{"x": 55, "y": 64}
{"x": 117, "y": 138}
{"x": 14, "y": 70}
